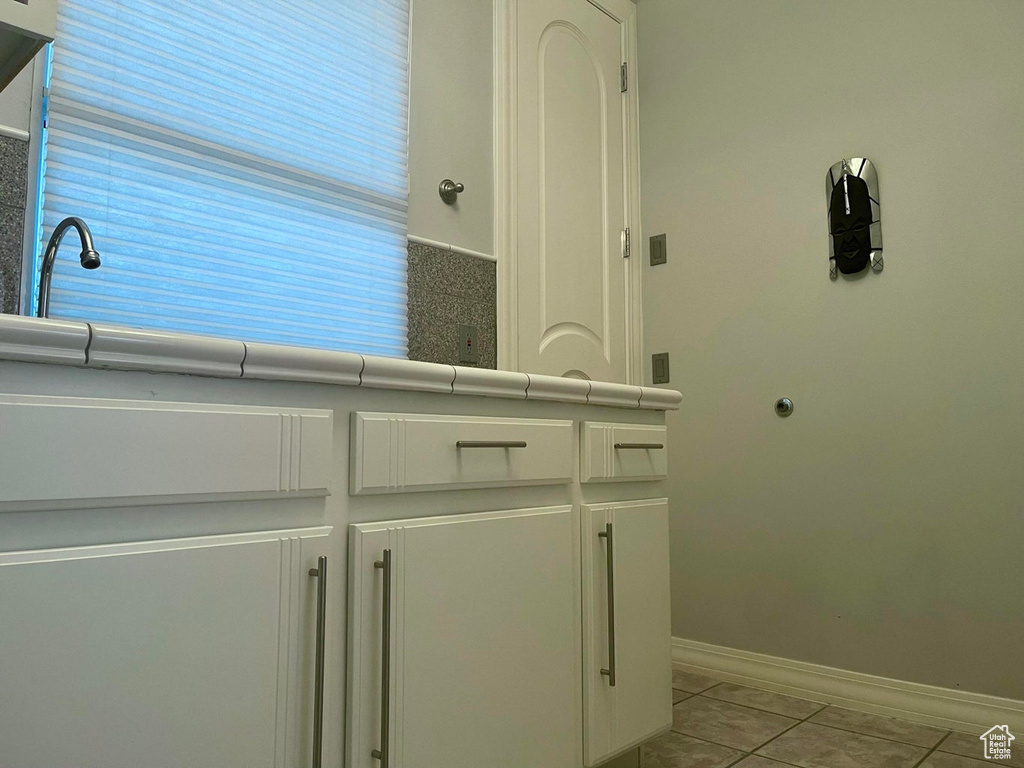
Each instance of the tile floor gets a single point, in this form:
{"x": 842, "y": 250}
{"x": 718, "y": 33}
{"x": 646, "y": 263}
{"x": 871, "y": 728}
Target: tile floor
{"x": 720, "y": 725}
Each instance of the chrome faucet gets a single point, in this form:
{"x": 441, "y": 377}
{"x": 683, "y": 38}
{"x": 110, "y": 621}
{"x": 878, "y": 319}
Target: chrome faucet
{"x": 90, "y": 259}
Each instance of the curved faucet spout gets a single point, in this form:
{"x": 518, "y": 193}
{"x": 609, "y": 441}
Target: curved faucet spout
{"x": 90, "y": 258}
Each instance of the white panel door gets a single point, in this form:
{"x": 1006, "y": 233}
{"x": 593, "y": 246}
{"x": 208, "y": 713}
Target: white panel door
{"x": 571, "y": 203}
{"x": 637, "y": 645}
{"x": 184, "y": 652}
{"x": 484, "y": 641}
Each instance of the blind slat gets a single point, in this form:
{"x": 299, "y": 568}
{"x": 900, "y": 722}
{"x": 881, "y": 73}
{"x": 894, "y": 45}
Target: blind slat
{"x": 243, "y": 169}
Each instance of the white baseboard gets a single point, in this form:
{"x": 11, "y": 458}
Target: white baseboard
{"x": 929, "y": 704}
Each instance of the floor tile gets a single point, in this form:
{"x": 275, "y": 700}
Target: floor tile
{"x": 756, "y": 761}
{"x": 691, "y": 682}
{"x": 678, "y": 695}
{"x": 944, "y": 760}
{"x": 766, "y": 700}
{"x": 727, "y": 724}
{"x": 674, "y": 750}
{"x": 969, "y": 745}
{"x": 883, "y": 727}
{"x": 815, "y": 746}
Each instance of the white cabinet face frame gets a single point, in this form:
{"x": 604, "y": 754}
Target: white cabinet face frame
{"x": 194, "y": 651}
{"x": 639, "y": 705}
{"x": 507, "y": 192}
{"x": 485, "y": 641}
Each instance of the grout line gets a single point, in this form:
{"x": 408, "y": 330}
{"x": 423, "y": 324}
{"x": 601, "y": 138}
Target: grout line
{"x": 930, "y": 752}
{"x": 943, "y": 739}
{"x": 747, "y": 706}
{"x": 759, "y": 709}
{"x": 753, "y": 753}
{"x": 773, "y": 738}
{"x": 873, "y": 736}
{"x": 88, "y": 342}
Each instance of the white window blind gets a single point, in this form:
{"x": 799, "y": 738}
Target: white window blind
{"x": 242, "y": 166}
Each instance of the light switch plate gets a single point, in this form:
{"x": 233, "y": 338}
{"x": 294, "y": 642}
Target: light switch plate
{"x": 659, "y": 368}
{"x": 659, "y": 250}
{"x": 469, "y": 344}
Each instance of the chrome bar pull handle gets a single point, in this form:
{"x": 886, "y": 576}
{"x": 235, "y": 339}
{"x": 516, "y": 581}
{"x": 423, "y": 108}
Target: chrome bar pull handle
{"x": 490, "y": 444}
{"x": 606, "y": 534}
{"x": 639, "y": 446}
{"x": 385, "y": 671}
{"x": 320, "y": 572}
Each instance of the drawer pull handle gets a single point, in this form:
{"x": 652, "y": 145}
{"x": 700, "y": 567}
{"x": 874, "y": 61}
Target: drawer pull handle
{"x": 639, "y": 446}
{"x": 385, "y": 671}
{"x": 320, "y": 573}
{"x": 606, "y": 534}
{"x": 490, "y": 444}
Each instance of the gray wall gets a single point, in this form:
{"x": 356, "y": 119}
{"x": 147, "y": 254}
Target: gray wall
{"x": 450, "y": 121}
{"x": 880, "y": 528}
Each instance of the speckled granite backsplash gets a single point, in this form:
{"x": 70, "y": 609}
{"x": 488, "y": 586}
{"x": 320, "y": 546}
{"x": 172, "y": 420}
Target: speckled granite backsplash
{"x": 13, "y": 175}
{"x": 447, "y": 290}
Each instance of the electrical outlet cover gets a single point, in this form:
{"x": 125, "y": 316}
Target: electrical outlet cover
{"x": 659, "y": 250}
{"x": 469, "y": 344}
{"x": 659, "y": 368}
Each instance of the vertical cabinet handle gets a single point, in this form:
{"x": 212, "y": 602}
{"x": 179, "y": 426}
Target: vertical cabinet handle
{"x": 320, "y": 572}
{"x": 385, "y": 671}
{"x": 606, "y": 534}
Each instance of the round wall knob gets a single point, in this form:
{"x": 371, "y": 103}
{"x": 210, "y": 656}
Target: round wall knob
{"x": 783, "y": 406}
{"x": 449, "y": 191}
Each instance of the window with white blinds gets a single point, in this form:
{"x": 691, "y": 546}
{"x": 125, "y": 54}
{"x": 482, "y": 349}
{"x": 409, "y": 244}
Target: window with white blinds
{"x": 242, "y": 166}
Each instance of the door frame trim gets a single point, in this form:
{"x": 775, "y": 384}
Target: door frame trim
{"x": 506, "y": 152}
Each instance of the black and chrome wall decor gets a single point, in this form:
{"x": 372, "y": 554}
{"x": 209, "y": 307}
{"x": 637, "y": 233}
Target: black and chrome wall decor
{"x": 854, "y": 217}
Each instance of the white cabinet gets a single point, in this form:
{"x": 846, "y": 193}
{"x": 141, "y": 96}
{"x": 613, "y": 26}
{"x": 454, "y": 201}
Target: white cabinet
{"x": 627, "y": 656}
{"x": 182, "y": 652}
{"x": 473, "y": 621}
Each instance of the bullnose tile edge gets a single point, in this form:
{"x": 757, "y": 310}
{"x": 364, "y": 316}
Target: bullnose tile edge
{"x": 38, "y": 340}
{"x": 134, "y": 349}
{"x": 279, "y": 362}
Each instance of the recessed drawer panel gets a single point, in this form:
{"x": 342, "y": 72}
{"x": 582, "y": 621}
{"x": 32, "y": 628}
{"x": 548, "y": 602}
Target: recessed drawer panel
{"x": 396, "y": 452}
{"x": 622, "y": 452}
{"x": 60, "y": 452}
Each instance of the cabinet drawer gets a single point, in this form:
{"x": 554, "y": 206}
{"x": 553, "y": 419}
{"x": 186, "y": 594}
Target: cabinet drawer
{"x": 397, "y": 452}
{"x": 611, "y": 451}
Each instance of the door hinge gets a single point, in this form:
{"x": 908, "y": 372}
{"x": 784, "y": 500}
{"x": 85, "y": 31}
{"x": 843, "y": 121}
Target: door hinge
{"x": 624, "y": 78}
{"x": 625, "y": 243}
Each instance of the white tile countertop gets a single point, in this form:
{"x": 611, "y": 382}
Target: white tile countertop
{"x": 97, "y": 345}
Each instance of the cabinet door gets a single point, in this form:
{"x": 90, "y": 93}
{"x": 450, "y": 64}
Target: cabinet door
{"x": 183, "y": 652}
{"x": 484, "y": 641}
{"x": 636, "y": 644}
